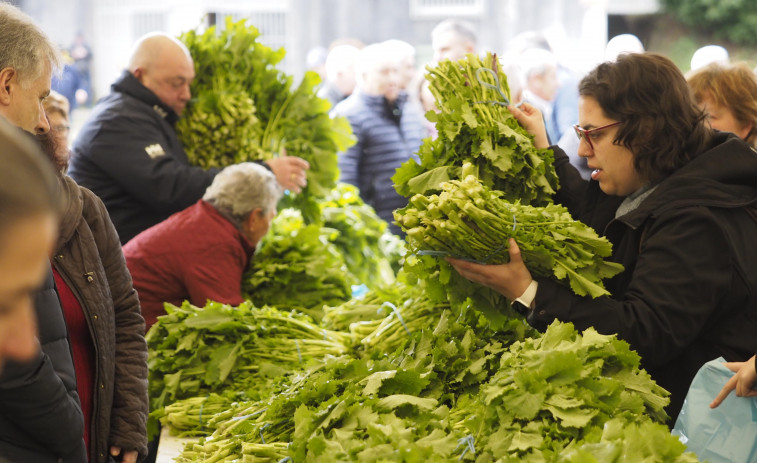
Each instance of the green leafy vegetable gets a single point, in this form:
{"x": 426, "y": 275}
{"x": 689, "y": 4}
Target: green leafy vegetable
{"x": 469, "y": 221}
{"x": 245, "y": 109}
{"x": 298, "y": 267}
{"x": 475, "y": 126}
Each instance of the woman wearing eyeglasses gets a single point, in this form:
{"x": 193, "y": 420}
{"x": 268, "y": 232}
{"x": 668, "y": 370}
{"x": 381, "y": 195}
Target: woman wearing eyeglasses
{"x": 672, "y": 196}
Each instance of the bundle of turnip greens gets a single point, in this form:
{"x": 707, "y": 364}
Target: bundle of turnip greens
{"x": 298, "y": 267}
{"x": 469, "y": 221}
{"x": 454, "y": 394}
{"x": 370, "y": 251}
{"x": 197, "y": 350}
{"x": 244, "y": 109}
{"x": 475, "y": 126}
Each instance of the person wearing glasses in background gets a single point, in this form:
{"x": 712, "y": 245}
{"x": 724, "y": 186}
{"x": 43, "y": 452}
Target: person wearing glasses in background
{"x": 676, "y": 200}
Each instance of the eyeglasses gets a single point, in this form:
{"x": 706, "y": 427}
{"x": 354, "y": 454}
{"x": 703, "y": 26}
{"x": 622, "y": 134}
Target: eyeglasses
{"x": 584, "y": 134}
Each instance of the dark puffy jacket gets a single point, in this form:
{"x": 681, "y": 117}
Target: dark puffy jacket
{"x": 128, "y": 154}
{"x": 386, "y": 138}
{"x": 88, "y": 256}
{"x": 688, "y": 293}
{"x": 40, "y": 415}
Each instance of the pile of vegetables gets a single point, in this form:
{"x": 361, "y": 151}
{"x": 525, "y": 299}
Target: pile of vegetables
{"x": 475, "y": 126}
{"x": 450, "y": 395}
{"x": 197, "y": 350}
{"x": 370, "y": 251}
{"x": 427, "y": 367}
{"x": 245, "y": 109}
{"x": 298, "y": 267}
{"x": 469, "y": 221}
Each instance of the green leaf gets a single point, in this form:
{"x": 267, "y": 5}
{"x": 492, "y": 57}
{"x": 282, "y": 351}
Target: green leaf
{"x": 398, "y": 400}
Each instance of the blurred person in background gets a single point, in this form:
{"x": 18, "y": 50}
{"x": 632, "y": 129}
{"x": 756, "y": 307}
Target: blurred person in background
{"x": 405, "y": 56}
{"x": 623, "y": 43}
{"x": 200, "y": 253}
{"x": 538, "y": 72}
{"x": 388, "y": 129}
{"x": 41, "y": 419}
{"x": 315, "y": 61}
{"x": 426, "y": 101}
{"x": 128, "y": 152}
{"x": 452, "y": 39}
{"x": 28, "y": 226}
{"x": 71, "y": 83}
{"x": 728, "y": 95}
{"x": 101, "y": 309}
{"x": 340, "y": 74}
{"x": 81, "y": 53}
{"x": 709, "y": 54}
{"x": 57, "y": 109}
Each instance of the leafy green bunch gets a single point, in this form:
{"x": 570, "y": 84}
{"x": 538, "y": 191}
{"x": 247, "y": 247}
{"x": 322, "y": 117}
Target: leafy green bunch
{"x": 622, "y": 442}
{"x": 369, "y": 249}
{"x": 378, "y": 405}
{"x": 469, "y": 221}
{"x": 197, "y": 350}
{"x": 456, "y": 392}
{"x": 298, "y": 267}
{"x": 475, "y": 126}
{"x": 559, "y": 391}
{"x": 245, "y": 109}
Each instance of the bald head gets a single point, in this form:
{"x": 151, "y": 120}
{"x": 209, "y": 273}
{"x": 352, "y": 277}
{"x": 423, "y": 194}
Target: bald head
{"x": 163, "y": 65}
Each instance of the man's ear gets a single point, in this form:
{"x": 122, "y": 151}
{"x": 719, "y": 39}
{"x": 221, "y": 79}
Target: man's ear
{"x": 138, "y": 72}
{"x": 7, "y": 78}
{"x": 254, "y": 218}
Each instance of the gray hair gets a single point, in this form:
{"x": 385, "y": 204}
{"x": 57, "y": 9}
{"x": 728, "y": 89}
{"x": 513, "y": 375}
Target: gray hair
{"x": 463, "y": 29}
{"x": 240, "y": 189}
{"x": 24, "y": 46}
{"x": 535, "y": 62}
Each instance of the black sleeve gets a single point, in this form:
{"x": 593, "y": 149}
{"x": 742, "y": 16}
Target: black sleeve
{"x": 144, "y": 160}
{"x": 669, "y": 299}
{"x": 35, "y": 400}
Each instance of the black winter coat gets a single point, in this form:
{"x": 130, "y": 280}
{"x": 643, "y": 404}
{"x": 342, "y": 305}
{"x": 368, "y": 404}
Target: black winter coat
{"x": 40, "y": 415}
{"x": 688, "y": 293}
{"x": 129, "y": 155}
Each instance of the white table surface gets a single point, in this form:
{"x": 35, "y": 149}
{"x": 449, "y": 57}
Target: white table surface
{"x": 170, "y": 446}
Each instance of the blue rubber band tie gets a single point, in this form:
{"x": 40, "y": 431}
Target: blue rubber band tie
{"x": 285, "y": 459}
{"x": 261, "y": 432}
{"x": 399, "y": 316}
{"x": 495, "y": 86}
{"x": 243, "y": 417}
{"x": 468, "y": 441}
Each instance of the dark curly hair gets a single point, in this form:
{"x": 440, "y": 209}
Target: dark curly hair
{"x": 662, "y": 125}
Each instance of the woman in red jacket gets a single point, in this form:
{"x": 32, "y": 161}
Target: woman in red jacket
{"x": 200, "y": 253}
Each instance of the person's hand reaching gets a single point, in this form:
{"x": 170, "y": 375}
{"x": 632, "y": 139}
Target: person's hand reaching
{"x": 743, "y": 381}
{"x": 532, "y": 120}
{"x": 290, "y": 171}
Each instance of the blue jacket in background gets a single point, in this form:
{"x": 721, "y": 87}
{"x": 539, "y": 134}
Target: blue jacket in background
{"x": 387, "y": 136}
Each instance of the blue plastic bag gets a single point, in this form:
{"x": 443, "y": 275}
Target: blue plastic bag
{"x": 727, "y": 434}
